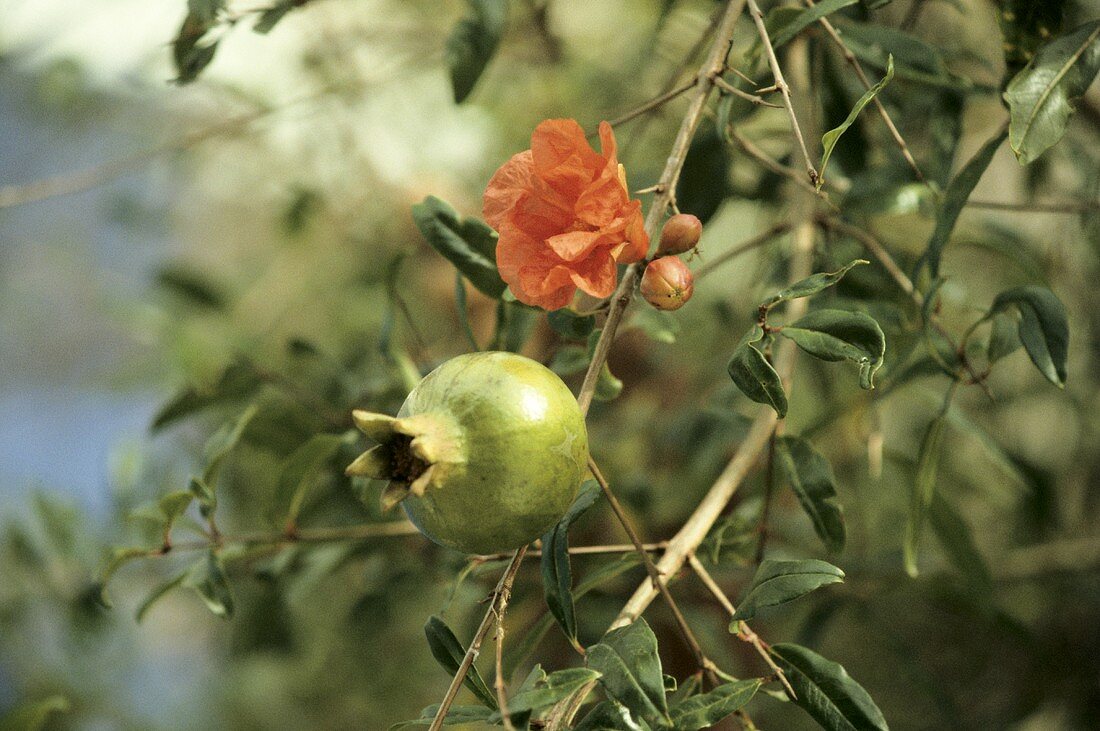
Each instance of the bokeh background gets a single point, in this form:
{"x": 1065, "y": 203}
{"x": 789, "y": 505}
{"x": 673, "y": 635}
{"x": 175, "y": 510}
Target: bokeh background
{"x": 153, "y": 234}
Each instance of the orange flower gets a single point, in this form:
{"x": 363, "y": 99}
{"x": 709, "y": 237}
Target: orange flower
{"x": 564, "y": 216}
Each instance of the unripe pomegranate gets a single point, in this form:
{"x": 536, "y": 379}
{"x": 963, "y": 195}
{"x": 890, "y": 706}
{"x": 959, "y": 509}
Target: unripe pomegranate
{"x": 667, "y": 283}
{"x": 681, "y": 233}
{"x": 486, "y": 454}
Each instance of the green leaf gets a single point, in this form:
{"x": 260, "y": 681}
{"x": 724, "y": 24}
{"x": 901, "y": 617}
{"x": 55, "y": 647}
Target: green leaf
{"x": 841, "y": 335}
{"x": 157, "y": 594}
{"x": 812, "y": 284}
{"x": 570, "y": 325}
{"x": 270, "y": 17}
{"x": 811, "y": 478}
{"x": 557, "y": 576}
{"x": 570, "y": 360}
{"x": 468, "y": 243}
{"x": 954, "y": 199}
{"x": 463, "y": 311}
{"x": 706, "y": 710}
{"x": 627, "y": 658}
{"x": 826, "y": 691}
{"x": 704, "y": 182}
{"x": 1004, "y": 338}
{"x": 804, "y": 19}
{"x": 190, "y": 55}
{"x": 753, "y": 374}
{"x": 608, "y": 716}
{"x": 516, "y": 325}
{"x": 207, "y": 577}
{"x": 472, "y": 44}
{"x": 174, "y": 504}
{"x": 238, "y": 381}
{"x": 216, "y": 450}
{"x": 957, "y": 540}
{"x": 191, "y": 286}
{"x": 1043, "y": 329}
{"x": 448, "y": 652}
{"x": 456, "y": 716}
{"x": 1025, "y": 25}
{"x": 301, "y": 470}
{"x": 558, "y": 685}
{"x": 830, "y": 138}
{"x": 1040, "y": 96}
{"x": 914, "y": 59}
{"x": 778, "y": 582}
{"x": 924, "y": 488}
{"x": 33, "y": 715}
{"x": 119, "y": 558}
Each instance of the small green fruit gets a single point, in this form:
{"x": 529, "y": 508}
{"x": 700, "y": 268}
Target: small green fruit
{"x": 486, "y": 454}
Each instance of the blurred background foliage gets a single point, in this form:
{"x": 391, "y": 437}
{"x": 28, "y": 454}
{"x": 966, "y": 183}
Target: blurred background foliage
{"x": 248, "y": 237}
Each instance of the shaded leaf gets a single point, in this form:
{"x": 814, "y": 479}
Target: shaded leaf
{"x": 557, "y": 576}
{"x": 468, "y": 243}
{"x": 472, "y": 44}
{"x": 33, "y": 715}
{"x": 924, "y": 489}
{"x": 270, "y": 17}
{"x": 1040, "y": 96}
{"x": 157, "y": 594}
{"x": 1026, "y": 25}
{"x": 557, "y": 685}
{"x": 955, "y": 197}
{"x": 191, "y": 286}
{"x": 827, "y": 692}
{"x": 914, "y": 59}
{"x": 301, "y": 469}
{"x": 658, "y": 326}
{"x": 805, "y": 18}
{"x": 571, "y": 325}
{"x": 189, "y": 53}
{"x": 778, "y": 582}
{"x": 704, "y": 182}
{"x": 464, "y": 312}
{"x": 706, "y": 710}
{"x": 236, "y": 382}
{"x": 812, "y": 284}
{"x": 1004, "y": 338}
{"x": 754, "y": 375}
{"x": 456, "y": 716}
{"x": 608, "y": 716}
{"x": 627, "y": 658}
{"x": 957, "y": 540}
{"x": 119, "y": 558}
{"x": 1043, "y": 328}
{"x": 448, "y": 652}
{"x": 207, "y": 577}
{"x": 830, "y": 138}
{"x": 811, "y": 478}
{"x": 841, "y": 335}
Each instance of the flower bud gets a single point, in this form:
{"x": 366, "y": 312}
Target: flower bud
{"x": 681, "y": 233}
{"x": 667, "y": 283}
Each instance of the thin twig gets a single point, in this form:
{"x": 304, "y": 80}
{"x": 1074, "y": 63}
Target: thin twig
{"x": 501, "y": 594}
{"x": 731, "y": 89}
{"x": 756, "y": 241}
{"x": 713, "y": 67}
{"x": 867, "y": 84}
{"x": 654, "y": 574}
{"x": 775, "y": 166}
{"x": 502, "y": 696}
{"x": 1072, "y": 207}
{"x": 744, "y": 632}
{"x": 784, "y": 89}
{"x": 650, "y": 105}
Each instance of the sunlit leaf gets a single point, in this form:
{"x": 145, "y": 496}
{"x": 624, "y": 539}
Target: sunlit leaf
{"x": 826, "y": 691}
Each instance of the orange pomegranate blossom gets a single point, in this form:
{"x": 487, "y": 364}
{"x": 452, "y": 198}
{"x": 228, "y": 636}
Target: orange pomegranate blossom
{"x": 564, "y": 216}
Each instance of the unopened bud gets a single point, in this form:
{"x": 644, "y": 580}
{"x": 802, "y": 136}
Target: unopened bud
{"x": 667, "y": 283}
{"x": 681, "y": 233}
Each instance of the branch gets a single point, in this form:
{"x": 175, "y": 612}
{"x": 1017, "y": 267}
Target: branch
{"x": 744, "y": 632}
{"x": 867, "y": 84}
{"x": 654, "y": 103}
{"x": 500, "y": 596}
{"x": 784, "y": 89}
{"x": 1072, "y": 207}
{"x": 711, "y": 69}
{"x": 756, "y": 241}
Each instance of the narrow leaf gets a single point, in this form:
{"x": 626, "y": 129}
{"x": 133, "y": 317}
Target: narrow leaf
{"x": 778, "y": 582}
{"x": 456, "y": 716}
{"x": 570, "y": 325}
{"x": 157, "y": 594}
{"x": 448, "y": 652}
{"x": 924, "y": 489}
{"x": 34, "y": 715}
{"x": 1043, "y": 328}
{"x": 830, "y": 138}
{"x": 557, "y": 576}
{"x": 812, "y": 284}
{"x": 754, "y": 375}
{"x": 805, "y": 19}
{"x": 706, "y": 710}
{"x": 558, "y": 685}
{"x": 608, "y": 716}
{"x": 301, "y": 470}
{"x": 812, "y": 480}
{"x": 472, "y": 44}
{"x": 207, "y": 577}
{"x": 468, "y": 243}
{"x": 826, "y": 691}
{"x": 464, "y": 312}
{"x": 957, "y": 540}
{"x": 958, "y": 192}
{"x": 631, "y": 669}
{"x": 1040, "y": 96}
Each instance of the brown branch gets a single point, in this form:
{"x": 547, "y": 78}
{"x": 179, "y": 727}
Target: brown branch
{"x": 867, "y": 84}
{"x": 499, "y": 683}
{"x": 744, "y": 632}
{"x": 654, "y": 103}
{"x": 654, "y": 575}
{"x": 775, "y": 166}
{"x": 784, "y": 89}
{"x": 712, "y": 68}
{"x": 756, "y": 241}
{"x": 731, "y": 89}
{"x": 500, "y": 596}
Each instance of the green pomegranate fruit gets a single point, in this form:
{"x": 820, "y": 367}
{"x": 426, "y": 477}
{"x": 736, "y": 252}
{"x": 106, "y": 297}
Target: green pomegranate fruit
{"x": 486, "y": 454}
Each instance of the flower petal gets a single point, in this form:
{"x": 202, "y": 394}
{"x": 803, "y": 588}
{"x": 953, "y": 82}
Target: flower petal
{"x": 574, "y": 245}
{"x": 595, "y": 275}
{"x": 506, "y": 187}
